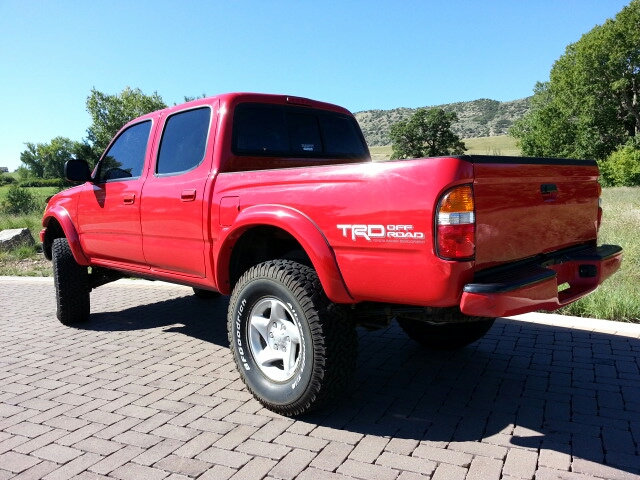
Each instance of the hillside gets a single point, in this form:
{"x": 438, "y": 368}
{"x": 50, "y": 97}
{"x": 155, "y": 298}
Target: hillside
{"x": 478, "y": 118}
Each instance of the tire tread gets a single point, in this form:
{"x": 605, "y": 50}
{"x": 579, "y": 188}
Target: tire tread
{"x": 72, "y": 284}
{"x": 451, "y": 329}
{"x": 334, "y": 337}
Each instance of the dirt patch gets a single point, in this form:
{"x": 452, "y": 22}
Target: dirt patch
{"x": 28, "y": 267}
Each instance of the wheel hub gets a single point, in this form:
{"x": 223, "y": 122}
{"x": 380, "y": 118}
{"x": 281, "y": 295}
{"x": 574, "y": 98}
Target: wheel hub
{"x": 275, "y": 339}
{"x": 278, "y": 336}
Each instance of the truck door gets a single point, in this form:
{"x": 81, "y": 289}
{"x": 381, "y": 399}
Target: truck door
{"x": 174, "y": 209}
{"x": 109, "y": 208}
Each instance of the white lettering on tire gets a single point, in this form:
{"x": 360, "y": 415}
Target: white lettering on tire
{"x": 243, "y": 359}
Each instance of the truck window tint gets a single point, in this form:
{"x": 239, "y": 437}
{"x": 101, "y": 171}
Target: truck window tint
{"x": 304, "y": 133}
{"x": 271, "y": 130}
{"x": 341, "y": 136}
{"x": 261, "y": 130}
{"x": 125, "y": 158}
{"x": 184, "y": 141}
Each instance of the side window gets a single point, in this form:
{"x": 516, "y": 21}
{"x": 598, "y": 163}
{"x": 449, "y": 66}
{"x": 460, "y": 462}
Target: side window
{"x": 125, "y": 158}
{"x": 184, "y": 141}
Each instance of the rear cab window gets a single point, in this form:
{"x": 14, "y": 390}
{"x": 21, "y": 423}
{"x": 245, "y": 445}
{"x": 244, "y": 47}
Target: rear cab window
{"x": 275, "y": 136}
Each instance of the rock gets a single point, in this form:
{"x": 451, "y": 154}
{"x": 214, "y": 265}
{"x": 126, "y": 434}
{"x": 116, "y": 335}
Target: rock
{"x": 15, "y": 237}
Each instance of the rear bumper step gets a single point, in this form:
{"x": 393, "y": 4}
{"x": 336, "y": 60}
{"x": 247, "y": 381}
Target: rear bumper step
{"x": 512, "y": 290}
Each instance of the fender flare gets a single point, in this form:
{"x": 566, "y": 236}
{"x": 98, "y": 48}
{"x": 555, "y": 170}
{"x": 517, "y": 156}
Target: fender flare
{"x": 300, "y": 227}
{"x": 61, "y": 215}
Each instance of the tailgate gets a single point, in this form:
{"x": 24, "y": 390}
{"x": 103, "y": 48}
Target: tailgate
{"x": 529, "y": 206}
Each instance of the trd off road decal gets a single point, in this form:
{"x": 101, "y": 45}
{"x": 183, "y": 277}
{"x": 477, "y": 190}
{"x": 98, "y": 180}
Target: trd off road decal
{"x": 382, "y": 233}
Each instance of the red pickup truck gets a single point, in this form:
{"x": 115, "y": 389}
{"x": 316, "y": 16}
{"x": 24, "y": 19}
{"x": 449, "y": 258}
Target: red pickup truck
{"x": 275, "y": 201}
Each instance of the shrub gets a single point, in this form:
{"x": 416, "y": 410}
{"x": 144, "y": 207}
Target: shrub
{"x": 44, "y": 182}
{"x": 6, "y": 180}
{"x": 622, "y": 167}
{"x": 19, "y": 201}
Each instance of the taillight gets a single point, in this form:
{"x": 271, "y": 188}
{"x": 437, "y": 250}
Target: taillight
{"x": 456, "y": 224}
{"x": 599, "y": 207}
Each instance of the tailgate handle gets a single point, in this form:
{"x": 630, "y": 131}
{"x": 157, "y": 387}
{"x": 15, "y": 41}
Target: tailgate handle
{"x": 548, "y": 188}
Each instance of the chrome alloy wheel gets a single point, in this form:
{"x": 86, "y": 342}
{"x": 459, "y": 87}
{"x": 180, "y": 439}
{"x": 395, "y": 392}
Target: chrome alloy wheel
{"x": 275, "y": 339}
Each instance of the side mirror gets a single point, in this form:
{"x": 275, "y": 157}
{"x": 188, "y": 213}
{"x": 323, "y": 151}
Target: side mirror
{"x": 77, "y": 171}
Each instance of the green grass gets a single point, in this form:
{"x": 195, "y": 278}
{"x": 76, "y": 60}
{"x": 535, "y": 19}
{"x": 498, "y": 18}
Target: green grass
{"x": 619, "y": 297}
{"x": 502, "y": 145}
{"x": 380, "y": 153}
{"x": 32, "y": 222}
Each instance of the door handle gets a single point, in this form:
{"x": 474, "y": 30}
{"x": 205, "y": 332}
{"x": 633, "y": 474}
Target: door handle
{"x": 188, "y": 195}
{"x": 129, "y": 199}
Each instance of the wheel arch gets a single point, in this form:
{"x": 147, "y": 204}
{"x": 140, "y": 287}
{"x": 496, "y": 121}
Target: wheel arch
{"x": 57, "y": 224}
{"x": 268, "y": 232}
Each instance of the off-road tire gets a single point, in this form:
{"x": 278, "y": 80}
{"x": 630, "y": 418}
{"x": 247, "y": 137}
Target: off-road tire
{"x": 450, "y": 329}
{"x": 322, "y": 343}
{"x": 205, "y": 294}
{"x": 72, "y": 284}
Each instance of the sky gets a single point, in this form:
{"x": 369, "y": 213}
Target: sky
{"x": 360, "y": 54}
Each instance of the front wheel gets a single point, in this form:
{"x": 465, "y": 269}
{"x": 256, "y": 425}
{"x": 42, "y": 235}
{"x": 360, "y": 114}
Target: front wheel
{"x": 452, "y": 330}
{"x": 294, "y": 349}
{"x": 72, "y": 284}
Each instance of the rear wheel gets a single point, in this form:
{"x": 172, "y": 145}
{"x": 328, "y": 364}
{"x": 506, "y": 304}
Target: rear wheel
{"x": 294, "y": 349}
{"x": 72, "y": 284}
{"x": 449, "y": 329}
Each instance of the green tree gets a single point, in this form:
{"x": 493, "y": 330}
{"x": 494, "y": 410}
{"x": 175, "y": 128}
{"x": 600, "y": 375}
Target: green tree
{"x": 622, "y": 167}
{"x": 189, "y": 98}
{"x": 590, "y": 105}
{"x": 426, "y": 134}
{"x": 109, "y": 113}
{"x": 19, "y": 201}
{"x": 46, "y": 160}
{"x": 544, "y": 131}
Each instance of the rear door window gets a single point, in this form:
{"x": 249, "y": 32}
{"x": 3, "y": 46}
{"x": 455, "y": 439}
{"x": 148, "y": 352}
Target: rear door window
{"x": 184, "y": 141}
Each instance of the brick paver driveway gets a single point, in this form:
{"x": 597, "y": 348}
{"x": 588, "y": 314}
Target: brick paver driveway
{"x": 147, "y": 389}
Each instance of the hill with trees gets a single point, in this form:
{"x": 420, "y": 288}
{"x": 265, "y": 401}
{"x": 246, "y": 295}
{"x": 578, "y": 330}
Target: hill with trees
{"x": 477, "y": 118}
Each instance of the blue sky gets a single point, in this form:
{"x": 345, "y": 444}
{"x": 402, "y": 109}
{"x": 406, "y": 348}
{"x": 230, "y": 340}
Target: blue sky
{"x": 359, "y": 54}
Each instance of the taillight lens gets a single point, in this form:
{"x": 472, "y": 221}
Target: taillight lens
{"x": 456, "y": 224}
{"x": 599, "y": 221}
